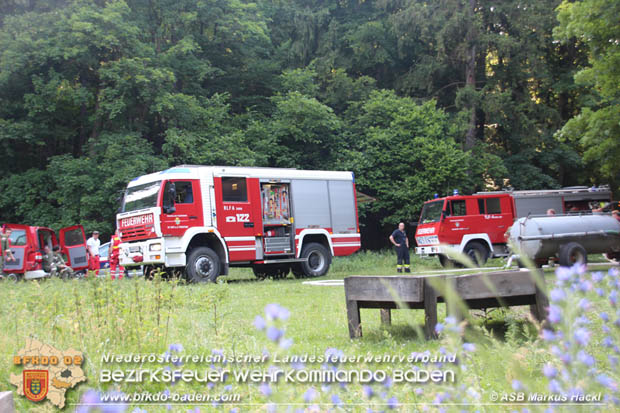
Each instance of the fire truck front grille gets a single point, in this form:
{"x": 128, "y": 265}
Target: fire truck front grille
{"x": 277, "y": 244}
{"x": 136, "y": 233}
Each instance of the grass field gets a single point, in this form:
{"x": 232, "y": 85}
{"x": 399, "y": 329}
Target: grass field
{"x": 504, "y": 351}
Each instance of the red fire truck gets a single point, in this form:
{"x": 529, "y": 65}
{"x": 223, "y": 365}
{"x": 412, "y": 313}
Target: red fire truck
{"x": 204, "y": 219}
{"x": 27, "y": 243}
{"x": 476, "y": 224}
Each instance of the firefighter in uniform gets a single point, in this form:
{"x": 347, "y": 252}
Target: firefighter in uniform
{"x": 115, "y": 243}
{"x": 401, "y": 242}
{"x": 6, "y": 254}
{"x": 54, "y": 263}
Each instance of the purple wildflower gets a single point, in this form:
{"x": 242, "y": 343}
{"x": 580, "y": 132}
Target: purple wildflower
{"x": 419, "y": 391}
{"x": 367, "y": 390}
{"x": 517, "y": 385}
{"x": 554, "y": 386}
{"x": 548, "y": 335}
{"x": 276, "y": 312}
{"x": 585, "y": 358}
{"x": 89, "y": 399}
{"x": 259, "y": 323}
{"x": 286, "y": 343}
{"x": 604, "y": 316}
{"x": 274, "y": 334}
{"x": 439, "y": 328}
{"x": 600, "y": 292}
{"x": 582, "y": 336}
{"x": 613, "y": 360}
{"x": 613, "y": 297}
{"x": 584, "y": 304}
{"x": 550, "y": 371}
{"x": 310, "y": 395}
{"x": 608, "y": 342}
{"x": 392, "y": 403}
{"x": 265, "y": 389}
{"x": 555, "y": 314}
{"x": 469, "y": 347}
{"x": 336, "y": 400}
{"x": 563, "y": 273}
{"x": 333, "y": 355}
{"x": 597, "y": 276}
{"x": 176, "y": 347}
{"x": 557, "y": 294}
{"x": 607, "y": 382}
{"x": 388, "y": 383}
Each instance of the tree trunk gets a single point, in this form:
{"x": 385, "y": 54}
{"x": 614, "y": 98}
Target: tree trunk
{"x": 470, "y": 76}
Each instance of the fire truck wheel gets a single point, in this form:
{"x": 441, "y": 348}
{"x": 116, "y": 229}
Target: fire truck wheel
{"x": 572, "y": 253}
{"x": 203, "y": 265}
{"x": 477, "y": 253}
{"x": 318, "y": 261}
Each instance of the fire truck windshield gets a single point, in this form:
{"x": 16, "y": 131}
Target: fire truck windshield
{"x": 431, "y": 212}
{"x": 141, "y": 196}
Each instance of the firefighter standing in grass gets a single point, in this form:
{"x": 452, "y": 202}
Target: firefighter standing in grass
{"x": 115, "y": 243}
{"x": 401, "y": 242}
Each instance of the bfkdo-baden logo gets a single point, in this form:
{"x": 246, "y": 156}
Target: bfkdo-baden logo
{"x": 35, "y": 384}
{"x": 47, "y": 372}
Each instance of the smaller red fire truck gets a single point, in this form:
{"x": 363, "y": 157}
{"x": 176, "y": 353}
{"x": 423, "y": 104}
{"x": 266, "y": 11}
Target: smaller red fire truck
{"x": 201, "y": 220}
{"x": 27, "y": 243}
{"x": 476, "y": 225}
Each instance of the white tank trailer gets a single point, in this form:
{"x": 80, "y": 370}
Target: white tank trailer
{"x": 567, "y": 238}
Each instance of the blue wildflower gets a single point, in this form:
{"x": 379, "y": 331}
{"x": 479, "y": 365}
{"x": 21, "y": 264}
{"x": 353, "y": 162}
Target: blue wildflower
{"x": 517, "y": 385}
{"x": 584, "y": 304}
{"x": 336, "y": 400}
{"x": 597, "y": 276}
{"x": 469, "y": 347}
{"x": 557, "y": 294}
{"x": 286, "y": 343}
{"x": 368, "y": 392}
{"x": 613, "y": 297}
{"x": 604, "y": 316}
{"x": 176, "y": 347}
{"x": 274, "y": 334}
{"x": 259, "y": 323}
{"x": 276, "y": 312}
{"x": 548, "y": 335}
{"x": 554, "y": 386}
{"x": 418, "y": 391}
{"x": 392, "y": 402}
{"x": 555, "y": 314}
{"x": 265, "y": 389}
{"x": 582, "y": 336}
{"x": 333, "y": 355}
{"x": 439, "y": 328}
{"x": 600, "y": 292}
{"x": 608, "y": 342}
{"x": 550, "y": 371}
{"x": 310, "y": 395}
{"x": 607, "y": 382}
{"x": 388, "y": 382}
{"x": 563, "y": 274}
{"x": 585, "y": 358}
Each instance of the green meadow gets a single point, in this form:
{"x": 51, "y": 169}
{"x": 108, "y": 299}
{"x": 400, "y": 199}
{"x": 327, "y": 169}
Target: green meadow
{"x": 100, "y": 316}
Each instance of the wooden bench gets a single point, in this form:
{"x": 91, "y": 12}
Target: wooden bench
{"x": 481, "y": 290}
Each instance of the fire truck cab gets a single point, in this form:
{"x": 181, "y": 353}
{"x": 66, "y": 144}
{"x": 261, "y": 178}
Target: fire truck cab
{"x": 27, "y": 243}
{"x": 204, "y": 219}
{"x": 476, "y": 225}
{"x": 473, "y": 224}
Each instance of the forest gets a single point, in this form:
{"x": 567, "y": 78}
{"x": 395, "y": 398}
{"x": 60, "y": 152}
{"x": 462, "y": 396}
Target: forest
{"x": 415, "y": 97}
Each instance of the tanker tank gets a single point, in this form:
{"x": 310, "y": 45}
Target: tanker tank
{"x": 569, "y": 238}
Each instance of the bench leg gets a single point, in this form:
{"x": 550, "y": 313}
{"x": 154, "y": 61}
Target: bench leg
{"x": 540, "y": 309}
{"x": 353, "y": 316}
{"x": 430, "y": 311}
{"x": 386, "y": 316}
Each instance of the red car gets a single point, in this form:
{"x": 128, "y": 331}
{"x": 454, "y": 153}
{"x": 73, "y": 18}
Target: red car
{"x": 27, "y": 243}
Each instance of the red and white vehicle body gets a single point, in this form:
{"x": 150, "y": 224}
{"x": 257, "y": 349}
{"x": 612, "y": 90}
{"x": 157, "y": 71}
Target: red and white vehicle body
{"x": 476, "y": 225}
{"x": 205, "y": 219}
{"x": 27, "y": 243}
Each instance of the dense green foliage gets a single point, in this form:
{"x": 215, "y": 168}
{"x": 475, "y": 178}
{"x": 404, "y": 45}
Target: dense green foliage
{"x": 415, "y": 97}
